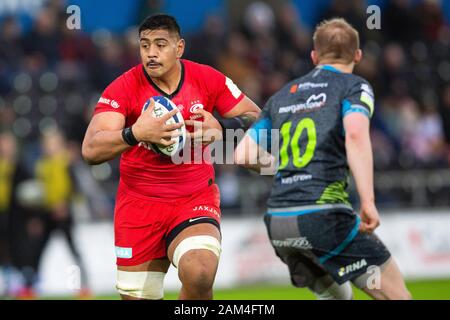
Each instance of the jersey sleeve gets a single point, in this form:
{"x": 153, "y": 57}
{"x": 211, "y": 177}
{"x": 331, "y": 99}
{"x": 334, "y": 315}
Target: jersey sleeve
{"x": 113, "y": 99}
{"x": 226, "y": 94}
{"x": 260, "y": 131}
{"x": 360, "y": 99}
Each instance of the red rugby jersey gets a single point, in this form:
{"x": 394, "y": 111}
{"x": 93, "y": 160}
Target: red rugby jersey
{"x": 145, "y": 172}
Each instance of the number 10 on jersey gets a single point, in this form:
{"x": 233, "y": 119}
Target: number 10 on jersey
{"x": 293, "y": 142}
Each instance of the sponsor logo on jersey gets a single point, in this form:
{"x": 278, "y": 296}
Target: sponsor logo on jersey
{"x": 307, "y": 86}
{"x": 352, "y": 267}
{"x": 112, "y": 103}
{"x": 195, "y": 219}
{"x": 319, "y": 99}
{"x": 313, "y": 102}
{"x": 206, "y": 208}
{"x": 296, "y": 178}
{"x": 298, "y": 243}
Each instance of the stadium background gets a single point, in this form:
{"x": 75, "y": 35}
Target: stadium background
{"x": 51, "y": 76}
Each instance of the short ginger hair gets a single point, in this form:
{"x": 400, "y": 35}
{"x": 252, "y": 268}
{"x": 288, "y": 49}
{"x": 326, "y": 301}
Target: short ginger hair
{"x": 336, "y": 41}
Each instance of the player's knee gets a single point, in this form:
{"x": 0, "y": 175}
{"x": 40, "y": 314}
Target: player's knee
{"x": 198, "y": 276}
{"x": 200, "y": 256}
{"x": 143, "y": 285}
{"x": 336, "y": 292}
{"x": 197, "y": 269}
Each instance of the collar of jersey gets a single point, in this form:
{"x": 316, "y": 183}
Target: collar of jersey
{"x": 329, "y": 68}
{"x": 165, "y": 94}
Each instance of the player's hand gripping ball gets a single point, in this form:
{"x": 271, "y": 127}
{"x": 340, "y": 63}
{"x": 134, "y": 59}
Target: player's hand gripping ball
{"x": 163, "y": 106}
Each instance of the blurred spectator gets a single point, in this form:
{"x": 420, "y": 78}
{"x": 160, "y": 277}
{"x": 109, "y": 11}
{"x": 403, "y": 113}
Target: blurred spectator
{"x": 234, "y": 60}
{"x": 213, "y": 33}
{"x": 446, "y": 117}
{"x": 44, "y": 37}
{"x": 394, "y": 27}
{"x": 10, "y": 43}
{"x": 53, "y": 170}
{"x": 7, "y": 161}
{"x": 351, "y": 10}
{"x": 16, "y": 238}
{"x": 395, "y": 71}
{"x": 149, "y": 7}
{"x": 430, "y": 19}
{"x": 429, "y": 139}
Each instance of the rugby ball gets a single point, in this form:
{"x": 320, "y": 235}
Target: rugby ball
{"x": 163, "y": 106}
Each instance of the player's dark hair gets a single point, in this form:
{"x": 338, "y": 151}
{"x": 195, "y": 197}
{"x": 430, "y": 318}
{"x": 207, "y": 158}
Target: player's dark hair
{"x": 160, "y": 21}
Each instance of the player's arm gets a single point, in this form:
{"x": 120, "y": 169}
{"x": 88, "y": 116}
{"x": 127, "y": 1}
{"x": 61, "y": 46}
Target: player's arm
{"x": 254, "y": 151}
{"x": 250, "y": 155}
{"x": 106, "y": 138}
{"x": 360, "y": 160}
{"x": 103, "y": 139}
{"x": 357, "y": 109}
{"x": 242, "y": 115}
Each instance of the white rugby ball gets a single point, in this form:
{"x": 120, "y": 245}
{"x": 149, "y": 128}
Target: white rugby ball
{"x": 163, "y": 106}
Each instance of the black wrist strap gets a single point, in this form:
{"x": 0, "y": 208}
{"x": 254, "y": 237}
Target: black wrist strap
{"x": 240, "y": 122}
{"x": 128, "y": 137}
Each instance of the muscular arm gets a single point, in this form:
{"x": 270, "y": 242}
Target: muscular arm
{"x": 245, "y": 107}
{"x": 103, "y": 140}
{"x": 359, "y": 155}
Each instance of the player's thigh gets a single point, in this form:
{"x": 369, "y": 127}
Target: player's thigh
{"x": 206, "y": 230}
{"x": 385, "y": 283}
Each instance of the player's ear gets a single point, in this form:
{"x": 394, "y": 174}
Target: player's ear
{"x": 314, "y": 57}
{"x": 358, "y": 56}
{"x": 180, "y": 48}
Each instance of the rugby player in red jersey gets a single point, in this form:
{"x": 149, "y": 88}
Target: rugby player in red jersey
{"x": 165, "y": 212}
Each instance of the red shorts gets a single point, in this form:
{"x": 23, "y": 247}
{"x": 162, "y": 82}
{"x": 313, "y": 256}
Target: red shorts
{"x": 144, "y": 226}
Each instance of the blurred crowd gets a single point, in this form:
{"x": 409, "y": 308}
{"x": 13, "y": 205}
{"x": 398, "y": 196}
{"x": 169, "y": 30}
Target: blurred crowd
{"x": 52, "y": 77}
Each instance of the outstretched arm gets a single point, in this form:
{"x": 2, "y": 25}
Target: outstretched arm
{"x": 249, "y": 154}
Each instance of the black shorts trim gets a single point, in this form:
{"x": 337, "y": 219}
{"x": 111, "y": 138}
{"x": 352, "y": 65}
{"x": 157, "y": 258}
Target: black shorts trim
{"x": 187, "y": 223}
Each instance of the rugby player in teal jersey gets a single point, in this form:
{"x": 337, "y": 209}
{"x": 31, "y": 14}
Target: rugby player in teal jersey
{"x": 323, "y": 123}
